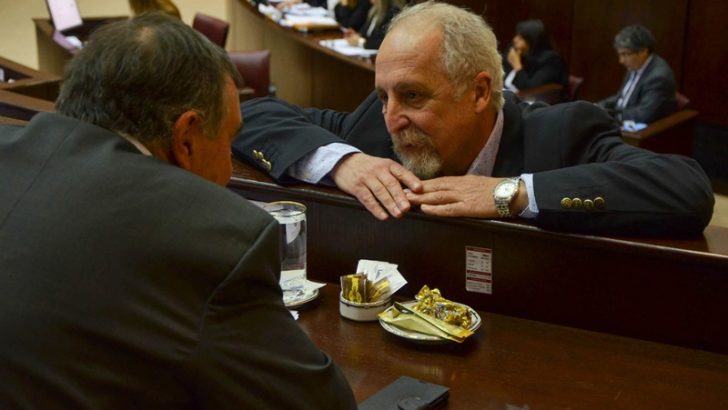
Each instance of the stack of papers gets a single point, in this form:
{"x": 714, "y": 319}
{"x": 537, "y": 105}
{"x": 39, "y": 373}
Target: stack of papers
{"x": 303, "y": 17}
{"x": 341, "y": 46}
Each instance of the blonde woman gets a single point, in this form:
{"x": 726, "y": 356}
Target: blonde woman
{"x": 166, "y": 6}
{"x": 372, "y": 32}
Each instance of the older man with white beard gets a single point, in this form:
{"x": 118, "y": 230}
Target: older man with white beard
{"x": 439, "y": 133}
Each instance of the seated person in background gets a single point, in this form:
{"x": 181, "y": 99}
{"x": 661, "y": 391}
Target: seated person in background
{"x": 531, "y": 60}
{"x": 372, "y": 32}
{"x": 165, "y": 6}
{"x": 127, "y": 281}
{"x": 440, "y": 110}
{"x": 352, "y": 13}
{"x": 648, "y": 88}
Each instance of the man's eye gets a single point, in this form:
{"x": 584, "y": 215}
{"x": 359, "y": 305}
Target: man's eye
{"x": 412, "y": 95}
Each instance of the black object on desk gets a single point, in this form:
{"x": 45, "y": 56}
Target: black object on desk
{"x": 407, "y": 393}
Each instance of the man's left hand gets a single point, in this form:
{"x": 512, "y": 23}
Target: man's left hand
{"x": 468, "y": 195}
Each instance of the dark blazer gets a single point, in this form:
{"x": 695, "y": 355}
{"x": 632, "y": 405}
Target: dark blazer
{"x": 546, "y": 67}
{"x": 126, "y": 282}
{"x": 574, "y": 150}
{"x": 355, "y": 17}
{"x": 653, "y": 97}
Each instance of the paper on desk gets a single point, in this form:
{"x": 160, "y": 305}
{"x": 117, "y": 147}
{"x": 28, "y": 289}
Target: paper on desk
{"x": 377, "y": 270}
{"x": 305, "y": 9}
{"x": 628, "y": 125}
{"x": 341, "y": 46}
{"x": 308, "y": 22}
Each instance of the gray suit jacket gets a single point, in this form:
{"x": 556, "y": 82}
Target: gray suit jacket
{"x": 653, "y": 97}
{"x": 126, "y": 282}
{"x": 574, "y": 151}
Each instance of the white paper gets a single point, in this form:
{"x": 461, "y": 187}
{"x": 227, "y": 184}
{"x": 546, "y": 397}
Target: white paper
{"x": 342, "y": 46}
{"x": 377, "y": 270}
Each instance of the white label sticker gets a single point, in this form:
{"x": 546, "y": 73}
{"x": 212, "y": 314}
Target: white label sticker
{"x": 478, "y": 272}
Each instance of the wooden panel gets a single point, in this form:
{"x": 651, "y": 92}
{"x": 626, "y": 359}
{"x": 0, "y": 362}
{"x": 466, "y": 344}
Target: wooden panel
{"x": 353, "y": 84}
{"x": 28, "y": 81}
{"x": 596, "y": 23}
{"x": 504, "y": 15}
{"x": 706, "y": 59}
{"x": 671, "y": 291}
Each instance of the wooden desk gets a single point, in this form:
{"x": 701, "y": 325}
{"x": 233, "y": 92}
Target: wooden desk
{"x": 519, "y": 364}
{"x": 672, "y": 134}
{"x": 54, "y": 50}
{"x": 670, "y": 291}
{"x": 11, "y": 121}
{"x": 22, "y": 107}
{"x": 28, "y": 81}
{"x": 305, "y": 73}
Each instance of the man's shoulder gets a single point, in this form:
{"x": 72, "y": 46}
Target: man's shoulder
{"x": 660, "y": 68}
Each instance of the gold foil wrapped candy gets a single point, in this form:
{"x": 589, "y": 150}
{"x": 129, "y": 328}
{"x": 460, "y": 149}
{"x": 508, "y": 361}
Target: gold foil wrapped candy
{"x": 359, "y": 289}
{"x": 431, "y": 315}
{"x": 354, "y": 287}
{"x": 431, "y": 302}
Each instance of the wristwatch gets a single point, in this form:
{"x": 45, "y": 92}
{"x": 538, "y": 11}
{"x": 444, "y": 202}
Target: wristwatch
{"x": 504, "y": 193}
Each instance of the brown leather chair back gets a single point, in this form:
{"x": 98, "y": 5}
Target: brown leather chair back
{"x": 681, "y": 101}
{"x": 254, "y": 67}
{"x": 574, "y": 87}
{"x": 214, "y": 29}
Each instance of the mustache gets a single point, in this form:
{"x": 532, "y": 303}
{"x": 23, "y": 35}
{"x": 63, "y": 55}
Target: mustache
{"x": 411, "y": 136}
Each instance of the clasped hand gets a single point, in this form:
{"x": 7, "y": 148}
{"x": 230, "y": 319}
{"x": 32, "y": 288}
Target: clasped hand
{"x": 386, "y": 189}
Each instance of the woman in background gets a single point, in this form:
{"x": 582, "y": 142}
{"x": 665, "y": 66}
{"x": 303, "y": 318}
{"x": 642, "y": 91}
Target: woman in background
{"x": 352, "y": 13}
{"x": 531, "y": 60}
{"x": 372, "y": 32}
{"x": 166, "y": 6}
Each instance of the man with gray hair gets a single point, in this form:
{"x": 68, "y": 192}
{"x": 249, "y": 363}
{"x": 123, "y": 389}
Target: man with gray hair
{"x": 440, "y": 133}
{"x": 648, "y": 89}
{"x": 129, "y": 277}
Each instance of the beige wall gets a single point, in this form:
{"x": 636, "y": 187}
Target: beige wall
{"x": 17, "y": 34}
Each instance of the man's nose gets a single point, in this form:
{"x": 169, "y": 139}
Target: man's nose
{"x": 394, "y": 116}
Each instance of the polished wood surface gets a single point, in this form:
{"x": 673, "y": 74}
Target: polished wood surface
{"x": 672, "y": 134}
{"x": 28, "y": 81}
{"x": 664, "y": 290}
{"x": 512, "y": 363}
{"x": 22, "y": 107}
{"x": 11, "y": 121}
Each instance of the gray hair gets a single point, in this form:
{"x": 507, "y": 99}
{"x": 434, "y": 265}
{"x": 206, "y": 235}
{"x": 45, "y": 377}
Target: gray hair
{"x": 469, "y": 45}
{"x": 136, "y": 77}
{"x": 635, "y": 38}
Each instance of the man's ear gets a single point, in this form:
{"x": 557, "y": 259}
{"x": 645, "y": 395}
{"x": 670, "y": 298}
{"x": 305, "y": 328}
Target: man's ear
{"x": 482, "y": 91}
{"x": 187, "y": 127}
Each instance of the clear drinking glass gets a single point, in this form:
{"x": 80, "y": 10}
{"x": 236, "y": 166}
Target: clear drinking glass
{"x": 291, "y": 217}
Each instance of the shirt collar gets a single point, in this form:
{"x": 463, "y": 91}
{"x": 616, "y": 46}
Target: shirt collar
{"x": 644, "y": 66}
{"x": 485, "y": 161}
{"x": 143, "y": 149}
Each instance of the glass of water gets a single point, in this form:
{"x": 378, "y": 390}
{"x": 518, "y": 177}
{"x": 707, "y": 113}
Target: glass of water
{"x": 291, "y": 217}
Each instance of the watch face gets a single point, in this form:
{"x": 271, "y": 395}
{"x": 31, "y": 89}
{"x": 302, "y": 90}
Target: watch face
{"x": 505, "y": 190}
